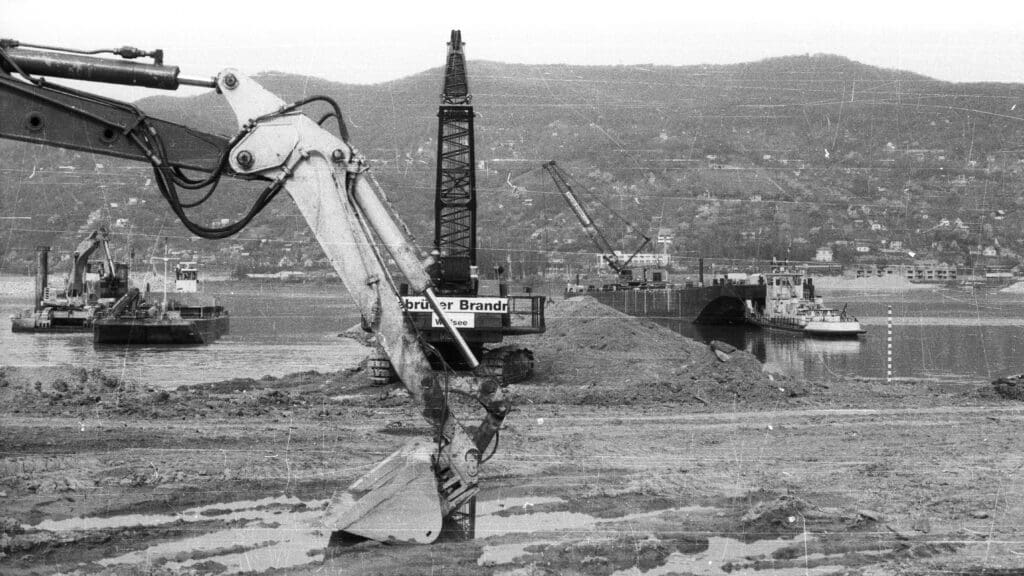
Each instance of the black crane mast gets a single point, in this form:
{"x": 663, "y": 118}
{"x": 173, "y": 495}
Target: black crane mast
{"x": 455, "y": 201}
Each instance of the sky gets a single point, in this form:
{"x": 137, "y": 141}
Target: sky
{"x": 375, "y": 41}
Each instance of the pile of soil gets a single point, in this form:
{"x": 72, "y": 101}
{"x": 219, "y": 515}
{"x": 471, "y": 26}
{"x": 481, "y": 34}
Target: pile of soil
{"x": 58, "y": 389}
{"x": 76, "y": 392}
{"x": 594, "y": 354}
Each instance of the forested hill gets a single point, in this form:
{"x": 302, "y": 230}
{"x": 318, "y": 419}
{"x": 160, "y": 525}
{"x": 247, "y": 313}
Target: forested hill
{"x": 755, "y": 159}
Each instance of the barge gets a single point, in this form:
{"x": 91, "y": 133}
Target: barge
{"x": 733, "y": 299}
{"x": 155, "y": 325}
{"x": 185, "y": 318}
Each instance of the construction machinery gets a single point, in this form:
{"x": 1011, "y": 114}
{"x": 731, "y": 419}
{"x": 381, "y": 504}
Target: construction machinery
{"x": 408, "y": 496}
{"x": 90, "y": 287}
{"x": 621, "y": 266}
{"x": 101, "y": 279}
{"x": 485, "y": 315}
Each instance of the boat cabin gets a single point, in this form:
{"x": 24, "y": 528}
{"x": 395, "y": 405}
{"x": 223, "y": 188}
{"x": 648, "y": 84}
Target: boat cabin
{"x": 186, "y": 277}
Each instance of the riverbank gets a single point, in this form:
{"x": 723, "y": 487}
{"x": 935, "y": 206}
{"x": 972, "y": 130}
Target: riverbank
{"x": 828, "y": 284}
{"x": 633, "y": 450}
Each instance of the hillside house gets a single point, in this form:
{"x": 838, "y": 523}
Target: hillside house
{"x": 665, "y": 236}
{"x": 643, "y": 259}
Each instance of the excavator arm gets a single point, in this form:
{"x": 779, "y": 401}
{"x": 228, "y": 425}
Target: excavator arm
{"x": 406, "y": 497}
{"x": 80, "y": 260}
{"x": 35, "y": 110}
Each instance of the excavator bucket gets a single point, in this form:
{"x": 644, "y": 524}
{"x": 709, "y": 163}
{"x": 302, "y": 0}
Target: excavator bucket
{"x": 397, "y": 501}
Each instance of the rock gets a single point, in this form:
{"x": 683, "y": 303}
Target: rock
{"x": 10, "y": 525}
{"x": 900, "y": 534}
{"x": 922, "y": 524}
{"x": 722, "y": 346}
{"x": 872, "y": 515}
{"x": 782, "y": 512}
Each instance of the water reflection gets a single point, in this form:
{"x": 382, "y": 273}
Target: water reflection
{"x": 934, "y": 337}
{"x": 782, "y": 352}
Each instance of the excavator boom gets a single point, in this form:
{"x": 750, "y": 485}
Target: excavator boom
{"x": 80, "y": 258}
{"x": 333, "y": 189}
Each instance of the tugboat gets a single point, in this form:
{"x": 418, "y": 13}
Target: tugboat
{"x": 188, "y": 317}
{"x": 790, "y": 304}
{"x": 91, "y": 287}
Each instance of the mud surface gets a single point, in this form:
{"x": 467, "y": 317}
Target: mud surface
{"x": 633, "y": 451}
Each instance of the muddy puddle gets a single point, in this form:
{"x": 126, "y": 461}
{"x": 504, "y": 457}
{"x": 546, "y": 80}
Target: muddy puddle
{"x": 285, "y": 532}
{"x": 725, "y": 556}
{"x": 226, "y": 512}
{"x": 525, "y": 515}
{"x": 257, "y": 535}
{"x": 722, "y": 555}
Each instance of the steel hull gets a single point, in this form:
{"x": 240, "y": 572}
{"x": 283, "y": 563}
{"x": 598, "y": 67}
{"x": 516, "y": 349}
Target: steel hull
{"x": 39, "y": 323}
{"x": 834, "y": 329}
{"x": 845, "y": 329}
{"x": 154, "y": 331}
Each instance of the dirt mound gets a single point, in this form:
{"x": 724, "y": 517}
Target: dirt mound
{"x": 594, "y": 354}
{"x": 787, "y": 515}
{"x": 60, "y": 387}
{"x": 70, "y": 391}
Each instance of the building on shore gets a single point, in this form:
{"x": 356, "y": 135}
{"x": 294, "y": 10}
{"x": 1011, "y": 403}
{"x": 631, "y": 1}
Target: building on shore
{"x": 918, "y": 272}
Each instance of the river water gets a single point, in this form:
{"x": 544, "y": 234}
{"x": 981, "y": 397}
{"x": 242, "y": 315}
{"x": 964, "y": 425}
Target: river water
{"x": 938, "y": 334}
{"x": 278, "y": 329}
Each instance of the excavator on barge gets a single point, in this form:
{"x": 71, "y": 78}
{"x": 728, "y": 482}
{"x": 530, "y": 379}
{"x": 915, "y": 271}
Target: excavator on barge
{"x": 423, "y": 488}
{"x": 91, "y": 287}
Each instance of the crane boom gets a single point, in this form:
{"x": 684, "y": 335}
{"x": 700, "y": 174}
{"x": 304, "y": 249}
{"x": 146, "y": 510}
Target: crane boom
{"x": 604, "y": 247}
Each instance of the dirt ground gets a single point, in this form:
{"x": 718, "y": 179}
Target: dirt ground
{"x": 633, "y": 451}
